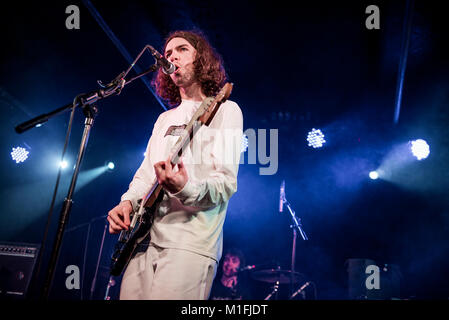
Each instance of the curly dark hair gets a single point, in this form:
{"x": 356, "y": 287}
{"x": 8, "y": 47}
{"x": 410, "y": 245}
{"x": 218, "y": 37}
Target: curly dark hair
{"x": 208, "y": 67}
{"x": 236, "y": 253}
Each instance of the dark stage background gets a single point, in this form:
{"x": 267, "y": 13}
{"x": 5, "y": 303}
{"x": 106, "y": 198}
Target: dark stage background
{"x": 314, "y": 65}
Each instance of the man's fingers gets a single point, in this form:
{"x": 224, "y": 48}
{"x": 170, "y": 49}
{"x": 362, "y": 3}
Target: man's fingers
{"x": 159, "y": 167}
{"x": 126, "y": 216}
{"x": 181, "y": 166}
{"x": 182, "y": 170}
{"x": 118, "y": 221}
{"x": 113, "y": 228}
{"x": 168, "y": 168}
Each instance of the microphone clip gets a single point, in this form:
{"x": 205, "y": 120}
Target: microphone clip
{"x": 117, "y": 82}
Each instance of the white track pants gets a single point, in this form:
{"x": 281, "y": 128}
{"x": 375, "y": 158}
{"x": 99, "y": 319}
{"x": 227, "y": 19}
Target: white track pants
{"x": 168, "y": 274}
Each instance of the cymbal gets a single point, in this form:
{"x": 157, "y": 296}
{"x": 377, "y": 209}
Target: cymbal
{"x": 273, "y": 275}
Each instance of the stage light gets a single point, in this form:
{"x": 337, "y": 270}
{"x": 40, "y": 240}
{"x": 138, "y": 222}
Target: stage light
{"x": 19, "y": 154}
{"x": 374, "y": 175}
{"x": 244, "y": 143}
{"x": 420, "y": 149}
{"x": 111, "y": 165}
{"x": 316, "y": 138}
{"x": 63, "y": 164}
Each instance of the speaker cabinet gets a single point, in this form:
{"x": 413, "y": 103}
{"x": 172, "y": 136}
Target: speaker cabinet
{"x": 17, "y": 263}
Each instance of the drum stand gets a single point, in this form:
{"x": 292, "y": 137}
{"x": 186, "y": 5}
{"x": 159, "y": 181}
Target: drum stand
{"x": 275, "y": 291}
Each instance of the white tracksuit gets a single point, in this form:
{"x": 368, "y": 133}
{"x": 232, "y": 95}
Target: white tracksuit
{"x": 187, "y": 233}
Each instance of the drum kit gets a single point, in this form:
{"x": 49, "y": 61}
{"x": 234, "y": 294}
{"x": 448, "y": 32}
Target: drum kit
{"x": 277, "y": 277}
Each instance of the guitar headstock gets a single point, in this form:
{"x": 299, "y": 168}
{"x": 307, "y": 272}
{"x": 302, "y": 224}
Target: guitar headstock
{"x": 225, "y": 92}
{"x": 212, "y": 108}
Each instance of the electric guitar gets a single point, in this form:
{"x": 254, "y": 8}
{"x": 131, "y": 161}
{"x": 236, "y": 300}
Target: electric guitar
{"x": 142, "y": 219}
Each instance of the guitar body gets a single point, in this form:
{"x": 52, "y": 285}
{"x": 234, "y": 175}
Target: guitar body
{"x": 128, "y": 241}
{"x": 143, "y": 219}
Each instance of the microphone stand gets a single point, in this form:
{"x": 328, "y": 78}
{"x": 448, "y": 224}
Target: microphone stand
{"x": 87, "y": 103}
{"x": 295, "y": 226}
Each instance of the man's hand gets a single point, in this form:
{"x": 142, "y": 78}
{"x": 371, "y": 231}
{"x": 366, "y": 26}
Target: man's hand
{"x": 167, "y": 178}
{"x": 118, "y": 217}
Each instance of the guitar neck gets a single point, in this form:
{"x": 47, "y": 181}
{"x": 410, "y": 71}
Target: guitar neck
{"x": 190, "y": 130}
{"x": 178, "y": 149}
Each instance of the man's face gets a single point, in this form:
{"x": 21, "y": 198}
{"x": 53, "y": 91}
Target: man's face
{"x": 231, "y": 265}
{"x": 182, "y": 54}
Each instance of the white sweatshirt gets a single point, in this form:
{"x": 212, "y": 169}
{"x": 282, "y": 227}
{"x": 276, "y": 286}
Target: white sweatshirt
{"x": 193, "y": 218}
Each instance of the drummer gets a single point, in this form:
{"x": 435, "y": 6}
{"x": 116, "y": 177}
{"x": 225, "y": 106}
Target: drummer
{"x": 229, "y": 284}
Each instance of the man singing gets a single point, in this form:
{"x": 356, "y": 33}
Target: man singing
{"x": 187, "y": 233}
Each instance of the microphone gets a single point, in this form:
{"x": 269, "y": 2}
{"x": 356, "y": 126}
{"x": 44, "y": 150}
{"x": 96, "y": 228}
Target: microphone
{"x": 282, "y": 196}
{"x": 249, "y": 267}
{"x": 167, "y": 66}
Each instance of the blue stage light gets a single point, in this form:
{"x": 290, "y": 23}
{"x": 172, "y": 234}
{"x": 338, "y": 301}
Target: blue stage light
{"x": 374, "y": 175}
{"x": 111, "y": 165}
{"x": 420, "y": 149}
{"x": 316, "y": 138}
{"x": 63, "y": 164}
{"x": 19, "y": 154}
